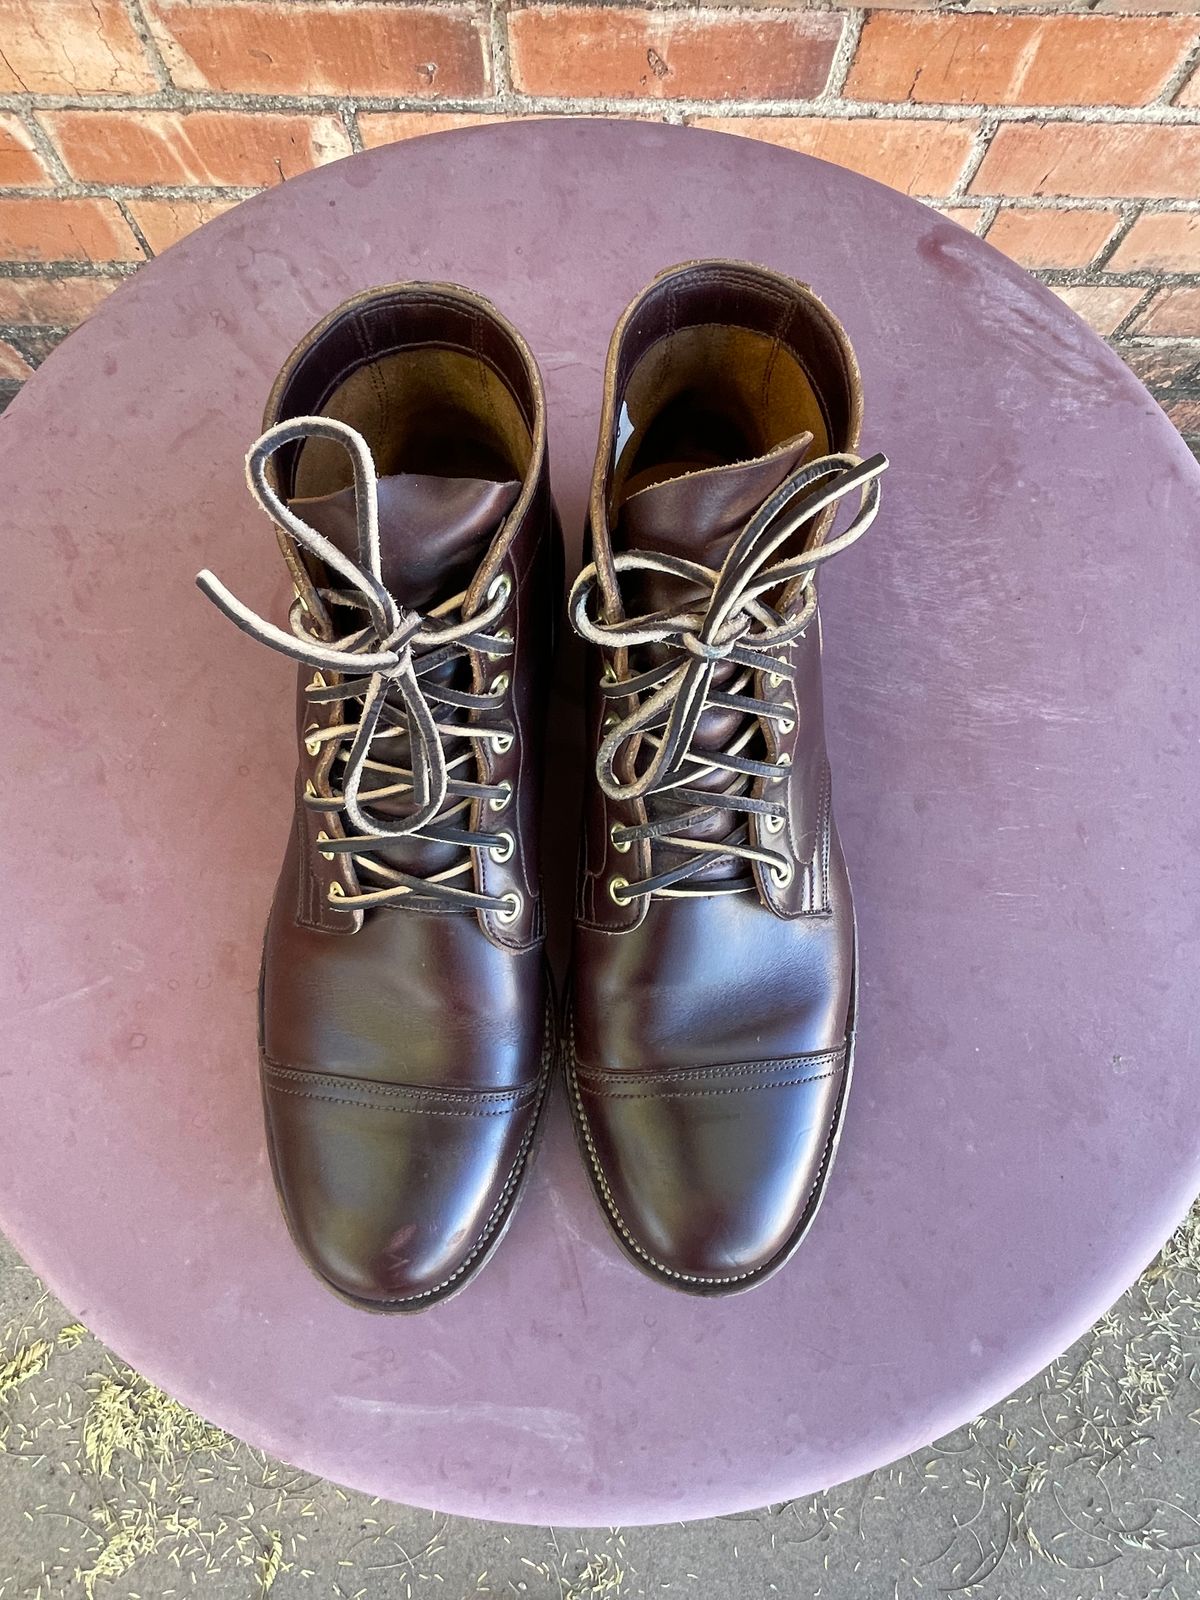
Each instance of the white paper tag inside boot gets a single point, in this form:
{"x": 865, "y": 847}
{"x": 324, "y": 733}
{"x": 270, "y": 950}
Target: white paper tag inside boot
{"x": 624, "y": 434}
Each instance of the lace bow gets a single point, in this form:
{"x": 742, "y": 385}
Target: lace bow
{"x": 730, "y": 622}
{"x": 385, "y": 668}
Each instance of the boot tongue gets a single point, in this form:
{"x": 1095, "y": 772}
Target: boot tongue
{"x": 697, "y": 517}
{"x": 433, "y": 532}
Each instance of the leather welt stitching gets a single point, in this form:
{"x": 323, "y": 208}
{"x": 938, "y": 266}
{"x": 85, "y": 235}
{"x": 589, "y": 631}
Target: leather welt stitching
{"x": 734, "y": 1069}
{"x": 689, "y": 1094}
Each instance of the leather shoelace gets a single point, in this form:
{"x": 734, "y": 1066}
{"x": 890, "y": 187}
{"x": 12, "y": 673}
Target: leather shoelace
{"x": 393, "y": 670}
{"x": 729, "y": 625}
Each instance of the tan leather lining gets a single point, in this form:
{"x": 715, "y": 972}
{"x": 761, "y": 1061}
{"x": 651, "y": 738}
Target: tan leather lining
{"x": 766, "y": 398}
{"x": 430, "y": 409}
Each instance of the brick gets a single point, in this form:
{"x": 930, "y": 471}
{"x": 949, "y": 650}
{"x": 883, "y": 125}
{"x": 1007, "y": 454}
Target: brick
{"x": 1016, "y": 61}
{"x": 965, "y": 216}
{"x": 1163, "y": 366}
{"x": 1172, "y": 312}
{"x": 1051, "y": 238}
{"x": 910, "y": 154}
{"x": 194, "y": 147}
{"x": 1184, "y": 413}
{"x": 387, "y": 127}
{"x": 13, "y": 364}
{"x": 51, "y": 302}
{"x": 305, "y": 47}
{"x": 20, "y": 165}
{"x": 165, "y": 222}
{"x": 44, "y": 229}
{"x": 706, "y": 54}
{"x": 70, "y": 47}
{"x": 1105, "y": 306}
{"x": 1117, "y": 160}
{"x": 1164, "y": 241}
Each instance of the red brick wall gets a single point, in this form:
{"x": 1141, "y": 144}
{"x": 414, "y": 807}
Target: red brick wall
{"x": 1067, "y": 133}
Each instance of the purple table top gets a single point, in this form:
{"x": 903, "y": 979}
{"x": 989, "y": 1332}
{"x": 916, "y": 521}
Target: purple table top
{"x": 1011, "y": 679}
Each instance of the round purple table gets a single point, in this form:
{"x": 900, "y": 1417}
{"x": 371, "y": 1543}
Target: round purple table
{"x": 1012, "y": 668}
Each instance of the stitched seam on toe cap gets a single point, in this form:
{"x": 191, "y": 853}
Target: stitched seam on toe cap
{"x": 514, "y": 1175}
{"x": 698, "y": 1094}
{"x": 615, "y": 1075}
{"x": 372, "y": 1096}
{"x": 610, "y": 1204}
{"x": 404, "y": 1110}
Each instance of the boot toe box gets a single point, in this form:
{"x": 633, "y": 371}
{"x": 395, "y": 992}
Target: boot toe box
{"x": 710, "y": 1176}
{"x": 394, "y": 1195}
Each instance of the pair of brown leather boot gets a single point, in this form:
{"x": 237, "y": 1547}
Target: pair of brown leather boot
{"x": 408, "y": 1029}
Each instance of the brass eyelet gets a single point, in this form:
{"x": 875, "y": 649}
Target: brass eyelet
{"x": 787, "y": 725}
{"x": 500, "y": 588}
{"x": 503, "y": 848}
{"x": 516, "y": 905}
{"x": 783, "y": 761}
{"x": 609, "y": 674}
{"x": 609, "y": 723}
{"x": 336, "y": 892}
{"x": 615, "y": 885}
{"x": 310, "y": 789}
{"x": 499, "y": 802}
{"x": 318, "y": 681}
{"x": 499, "y": 683}
{"x": 774, "y": 679}
{"x": 618, "y": 844}
{"x": 313, "y": 746}
{"x": 783, "y": 873}
{"x": 505, "y": 636}
{"x": 326, "y": 855}
{"x": 772, "y": 824}
{"x": 502, "y": 743}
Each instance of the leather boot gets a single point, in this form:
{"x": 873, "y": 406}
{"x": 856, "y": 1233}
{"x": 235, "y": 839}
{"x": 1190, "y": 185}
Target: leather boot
{"x": 715, "y": 973}
{"x": 405, "y": 1030}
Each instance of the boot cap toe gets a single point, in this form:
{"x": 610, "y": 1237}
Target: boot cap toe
{"x": 394, "y": 1194}
{"x": 710, "y": 1176}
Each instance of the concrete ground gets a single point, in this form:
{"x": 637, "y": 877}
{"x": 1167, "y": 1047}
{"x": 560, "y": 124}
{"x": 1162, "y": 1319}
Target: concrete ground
{"x": 1085, "y": 1485}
